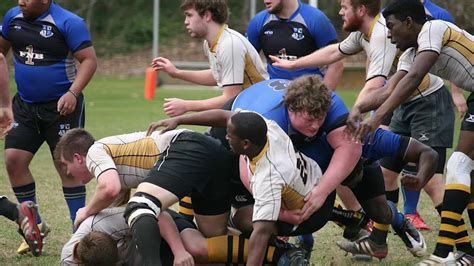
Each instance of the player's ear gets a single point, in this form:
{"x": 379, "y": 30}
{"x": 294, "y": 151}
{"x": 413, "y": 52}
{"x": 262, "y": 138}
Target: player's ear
{"x": 207, "y": 16}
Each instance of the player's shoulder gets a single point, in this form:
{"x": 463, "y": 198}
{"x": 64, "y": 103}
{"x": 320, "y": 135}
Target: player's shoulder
{"x": 12, "y": 13}
{"x": 64, "y": 17}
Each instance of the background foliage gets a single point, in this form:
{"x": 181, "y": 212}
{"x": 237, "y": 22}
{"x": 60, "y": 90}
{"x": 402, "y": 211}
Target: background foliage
{"x": 120, "y": 26}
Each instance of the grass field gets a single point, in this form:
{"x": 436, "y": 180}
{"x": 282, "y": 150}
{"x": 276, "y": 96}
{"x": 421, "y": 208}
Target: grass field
{"x": 116, "y": 106}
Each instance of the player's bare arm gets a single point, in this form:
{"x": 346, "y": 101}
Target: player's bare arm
{"x": 345, "y": 157}
{"x": 201, "y": 77}
{"x": 6, "y": 114}
{"x": 262, "y": 231}
{"x": 334, "y": 74}
{"x": 108, "y": 188}
{"x": 215, "y": 118}
{"x": 170, "y": 233}
{"x": 88, "y": 65}
{"x": 407, "y": 85}
{"x": 319, "y": 58}
{"x": 174, "y": 107}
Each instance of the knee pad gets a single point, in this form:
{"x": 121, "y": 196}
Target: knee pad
{"x": 141, "y": 204}
{"x": 458, "y": 169}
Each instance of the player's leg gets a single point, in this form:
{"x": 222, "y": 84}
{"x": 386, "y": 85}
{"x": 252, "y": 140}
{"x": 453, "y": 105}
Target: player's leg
{"x": 457, "y": 189}
{"x": 54, "y": 126}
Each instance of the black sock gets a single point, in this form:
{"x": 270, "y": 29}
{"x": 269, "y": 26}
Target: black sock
{"x": 146, "y": 234}
{"x": 393, "y": 195}
{"x": 8, "y": 209}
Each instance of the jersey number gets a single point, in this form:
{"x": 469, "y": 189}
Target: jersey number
{"x": 302, "y": 165}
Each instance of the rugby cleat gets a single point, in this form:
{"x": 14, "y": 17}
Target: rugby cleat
{"x": 450, "y": 260}
{"x": 413, "y": 239}
{"x": 417, "y": 221}
{"x": 364, "y": 246}
{"x": 25, "y": 247}
{"x": 463, "y": 258}
{"x": 28, "y": 229}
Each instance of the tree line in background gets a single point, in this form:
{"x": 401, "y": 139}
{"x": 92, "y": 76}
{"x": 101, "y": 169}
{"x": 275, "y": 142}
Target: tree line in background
{"x": 120, "y": 26}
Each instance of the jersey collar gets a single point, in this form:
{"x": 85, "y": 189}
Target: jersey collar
{"x": 369, "y": 34}
{"x": 212, "y": 47}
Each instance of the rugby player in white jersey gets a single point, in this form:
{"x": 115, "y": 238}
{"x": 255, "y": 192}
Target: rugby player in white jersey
{"x": 445, "y": 50}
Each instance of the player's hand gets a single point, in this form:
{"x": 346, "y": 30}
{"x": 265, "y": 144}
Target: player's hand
{"x": 164, "y": 64}
{"x": 282, "y": 63}
{"x": 314, "y": 200}
{"x": 166, "y": 124}
{"x": 67, "y": 104}
{"x": 353, "y": 122}
{"x": 81, "y": 215}
{"x": 366, "y": 129}
{"x": 460, "y": 103}
{"x": 291, "y": 216}
{"x": 183, "y": 258}
{"x": 6, "y": 120}
{"x": 174, "y": 106}
{"x": 411, "y": 182}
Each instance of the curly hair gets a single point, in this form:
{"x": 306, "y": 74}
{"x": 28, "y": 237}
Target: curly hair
{"x": 218, "y": 8}
{"x": 308, "y": 94}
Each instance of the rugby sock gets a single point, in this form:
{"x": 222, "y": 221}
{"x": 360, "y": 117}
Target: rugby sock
{"x": 8, "y": 209}
{"x": 75, "y": 199}
{"x": 27, "y": 193}
{"x": 379, "y": 233}
{"x": 397, "y": 217}
{"x": 470, "y": 212}
{"x": 146, "y": 234}
{"x": 234, "y": 249}
{"x": 186, "y": 208}
{"x": 439, "y": 209}
{"x": 410, "y": 200}
{"x": 392, "y": 195}
{"x": 463, "y": 242}
{"x": 456, "y": 197}
{"x": 346, "y": 217}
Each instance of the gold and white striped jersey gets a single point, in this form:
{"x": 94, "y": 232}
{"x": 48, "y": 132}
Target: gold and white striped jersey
{"x": 456, "y": 52}
{"x": 381, "y": 53}
{"x": 430, "y": 82}
{"x": 233, "y": 60}
{"x": 131, "y": 155}
{"x": 280, "y": 176}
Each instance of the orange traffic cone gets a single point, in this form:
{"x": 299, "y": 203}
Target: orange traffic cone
{"x": 151, "y": 77}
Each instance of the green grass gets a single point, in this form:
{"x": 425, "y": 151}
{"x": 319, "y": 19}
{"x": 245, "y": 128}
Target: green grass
{"x": 116, "y": 106}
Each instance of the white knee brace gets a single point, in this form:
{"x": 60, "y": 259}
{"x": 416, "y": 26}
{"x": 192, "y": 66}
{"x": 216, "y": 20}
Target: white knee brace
{"x": 459, "y": 169}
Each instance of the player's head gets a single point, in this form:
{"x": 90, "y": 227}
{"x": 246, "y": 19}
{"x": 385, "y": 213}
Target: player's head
{"x": 199, "y": 13}
{"x": 353, "y": 12}
{"x": 274, "y": 6}
{"x": 308, "y": 100}
{"x": 32, "y": 9}
{"x": 96, "y": 248}
{"x": 71, "y": 151}
{"x": 246, "y": 133}
{"x": 404, "y": 20}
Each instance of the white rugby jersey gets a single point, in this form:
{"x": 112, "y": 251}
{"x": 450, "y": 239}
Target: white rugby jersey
{"x": 430, "y": 82}
{"x": 132, "y": 155}
{"x": 456, "y": 52}
{"x": 280, "y": 176}
{"x": 380, "y": 51}
{"x": 109, "y": 221}
{"x": 233, "y": 60}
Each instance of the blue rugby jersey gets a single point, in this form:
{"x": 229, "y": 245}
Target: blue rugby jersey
{"x": 43, "y": 51}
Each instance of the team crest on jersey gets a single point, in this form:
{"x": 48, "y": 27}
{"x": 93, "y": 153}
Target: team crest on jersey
{"x": 63, "y": 128}
{"x": 297, "y": 34}
{"x": 47, "y": 31}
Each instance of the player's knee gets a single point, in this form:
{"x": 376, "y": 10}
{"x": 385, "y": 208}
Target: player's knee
{"x": 458, "y": 169}
{"x": 141, "y": 204}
